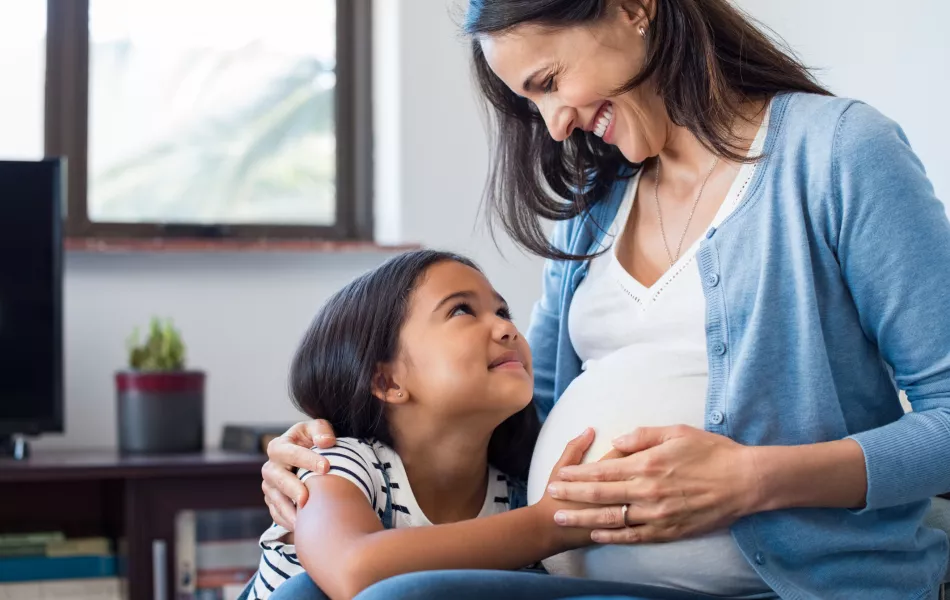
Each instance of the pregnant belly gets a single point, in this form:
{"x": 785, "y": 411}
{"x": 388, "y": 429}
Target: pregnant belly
{"x": 615, "y": 396}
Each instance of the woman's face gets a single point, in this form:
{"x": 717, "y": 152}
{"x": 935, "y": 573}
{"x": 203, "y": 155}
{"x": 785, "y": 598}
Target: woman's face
{"x": 571, "y": 73}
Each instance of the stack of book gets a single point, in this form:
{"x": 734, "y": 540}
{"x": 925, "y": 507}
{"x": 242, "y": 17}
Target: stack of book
{"x": 41, "y": 565}
{"x": 217, "y": 552}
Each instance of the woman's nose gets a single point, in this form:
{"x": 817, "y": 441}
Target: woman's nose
{"x": 561, "y": 121}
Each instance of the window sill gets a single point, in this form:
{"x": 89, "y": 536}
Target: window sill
{"x": 199, "y": 245}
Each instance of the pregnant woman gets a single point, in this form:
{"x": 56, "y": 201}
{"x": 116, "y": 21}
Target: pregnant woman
{"x": 744, "y": 272}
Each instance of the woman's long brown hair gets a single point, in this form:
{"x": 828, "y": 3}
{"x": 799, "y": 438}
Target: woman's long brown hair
{"x": 706, "y": 59}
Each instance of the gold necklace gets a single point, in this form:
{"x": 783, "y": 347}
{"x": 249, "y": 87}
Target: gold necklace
{"x": 659, "y": 214}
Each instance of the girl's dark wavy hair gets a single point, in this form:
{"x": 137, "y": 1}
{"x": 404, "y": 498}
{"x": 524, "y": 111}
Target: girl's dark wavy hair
{"x": 705, "y": 58}
{"x": 332, "y": 372}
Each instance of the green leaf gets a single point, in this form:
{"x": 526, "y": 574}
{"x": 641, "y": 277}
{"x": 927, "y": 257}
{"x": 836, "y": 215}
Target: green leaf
{"x": 162, "y": 350}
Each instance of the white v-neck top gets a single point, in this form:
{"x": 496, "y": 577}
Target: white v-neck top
{"x": 613, "y": 311}
{"x": 644, "y": 357}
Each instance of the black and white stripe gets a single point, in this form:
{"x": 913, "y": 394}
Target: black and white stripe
{"x": 362, "y": 462}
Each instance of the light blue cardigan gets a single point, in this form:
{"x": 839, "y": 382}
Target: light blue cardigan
{"x": 827, "y": 289}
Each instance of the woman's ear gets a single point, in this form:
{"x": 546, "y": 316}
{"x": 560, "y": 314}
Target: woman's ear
{"x": 386, "y": 388}
{"x": 636, "y": 13}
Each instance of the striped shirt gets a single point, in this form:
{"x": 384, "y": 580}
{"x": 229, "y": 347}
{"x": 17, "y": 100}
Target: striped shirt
{"x": 361, "y": 462}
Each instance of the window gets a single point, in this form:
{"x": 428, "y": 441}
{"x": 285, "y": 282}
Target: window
{"x": 22, "y": 66}
{"x": 211, "y": 118}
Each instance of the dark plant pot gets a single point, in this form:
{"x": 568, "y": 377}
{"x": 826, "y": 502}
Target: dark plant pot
{"x": 160, "y": 411}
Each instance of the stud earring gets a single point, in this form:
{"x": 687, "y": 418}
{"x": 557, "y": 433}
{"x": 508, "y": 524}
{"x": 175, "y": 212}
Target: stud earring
{"x": 399, "y": 394}
{"x": 643, "y": 31}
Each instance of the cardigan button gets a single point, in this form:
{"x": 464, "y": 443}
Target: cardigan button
{"x": 710, "y": 233}
{"x": 719, "y": 348}
{"x": 716, "y": 417}
{"x": 759, "y": 558}
{"x": 712, "y": 280}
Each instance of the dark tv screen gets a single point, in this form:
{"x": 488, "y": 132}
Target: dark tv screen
{"x": 31, "y": 372}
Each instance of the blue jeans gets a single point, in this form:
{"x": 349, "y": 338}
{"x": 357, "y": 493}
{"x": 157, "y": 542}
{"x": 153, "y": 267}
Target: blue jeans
{"x": 498, "y": 585}
{"x": 299, "y": 587}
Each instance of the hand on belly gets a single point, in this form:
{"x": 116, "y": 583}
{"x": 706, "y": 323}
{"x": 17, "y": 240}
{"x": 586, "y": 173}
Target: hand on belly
{"x": 615, "y": 401}
{"x": 614, "y": 398}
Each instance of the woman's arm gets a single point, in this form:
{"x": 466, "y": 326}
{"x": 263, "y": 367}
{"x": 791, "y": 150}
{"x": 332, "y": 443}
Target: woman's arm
{"x": 894, "y": 249}
{"x": 545, "y": 324}
{"x": 786, "y": 476}
{"x": 893, "y": 244}
{"x": 681, "y": 482}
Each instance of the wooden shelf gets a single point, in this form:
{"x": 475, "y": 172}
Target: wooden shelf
{"x": 131, "y": 499}
{"x": 107, "y": 464}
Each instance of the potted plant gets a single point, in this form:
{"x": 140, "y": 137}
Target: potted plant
{"x": 160, "y": 403}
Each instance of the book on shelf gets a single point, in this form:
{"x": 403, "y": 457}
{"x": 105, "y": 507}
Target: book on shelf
{"x": 217, "y": 552}
{"x": 49, "y": 556}
{"x": 95, "y": 546}
{"x": 106, "y": 588}
{"x": 28, "y": 544}
{"x": 91, "y": 546}
{"x": 39, "y": 568}
{"x": 26, "y": 539}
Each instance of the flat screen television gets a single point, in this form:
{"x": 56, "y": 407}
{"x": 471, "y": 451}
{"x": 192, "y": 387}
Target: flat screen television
{"x": 31, "y": 299}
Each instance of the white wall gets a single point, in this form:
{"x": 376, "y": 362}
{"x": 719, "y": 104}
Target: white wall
{"x": 893, "y": 55}
{"x": 241, "y": 314}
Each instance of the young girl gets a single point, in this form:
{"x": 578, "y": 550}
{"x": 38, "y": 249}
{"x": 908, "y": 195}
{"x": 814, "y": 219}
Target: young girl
{"x": 428, "y": 384}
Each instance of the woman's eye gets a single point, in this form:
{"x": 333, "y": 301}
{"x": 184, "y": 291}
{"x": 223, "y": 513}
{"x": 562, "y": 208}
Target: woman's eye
{"x": 504, "y": 313}
{"x": 462, "y": 309}
{"x": 548, "y": 85}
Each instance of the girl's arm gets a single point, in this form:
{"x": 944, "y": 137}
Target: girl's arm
{"x": 344, "y": 548}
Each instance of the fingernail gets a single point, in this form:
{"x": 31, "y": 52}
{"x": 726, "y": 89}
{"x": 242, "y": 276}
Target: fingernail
{"x": 323, "y": 437}
{"x": 598, "y": 537}
{"x": 553, "y": 490}
{"x": 298, "y": 501}
{"x": 619, "y": 440}
{"x": 323, "y": 467}
{"x": 560, "y": 518}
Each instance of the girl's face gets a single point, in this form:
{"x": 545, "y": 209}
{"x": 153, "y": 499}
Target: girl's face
{"x": 460, "y": 354}
{"x": 571, "y": 75}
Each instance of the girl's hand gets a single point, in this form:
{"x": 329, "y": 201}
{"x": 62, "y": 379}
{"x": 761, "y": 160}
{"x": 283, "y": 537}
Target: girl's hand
{"x": 282, "y": 489}
{"x": 566, "y": 538}
{"x": 678, "y": 482}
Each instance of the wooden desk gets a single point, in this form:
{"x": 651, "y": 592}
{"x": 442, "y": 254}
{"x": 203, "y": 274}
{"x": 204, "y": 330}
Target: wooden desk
{"x": 135, "y": 498}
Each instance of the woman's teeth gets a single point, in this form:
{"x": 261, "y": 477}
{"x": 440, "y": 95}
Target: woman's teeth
{"x": 604, "y": 121}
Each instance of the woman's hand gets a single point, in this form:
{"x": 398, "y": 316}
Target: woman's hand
{"x": 565, "y": 538}
{"x": 678, "y": 482}
{"x": 283, "y": 491}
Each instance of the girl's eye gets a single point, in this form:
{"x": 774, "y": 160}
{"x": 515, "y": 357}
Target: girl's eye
{"x": 462, "y": 309}
{"x": 548, "y": 85}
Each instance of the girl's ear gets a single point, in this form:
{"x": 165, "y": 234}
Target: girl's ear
{"x": 386, "y": 388}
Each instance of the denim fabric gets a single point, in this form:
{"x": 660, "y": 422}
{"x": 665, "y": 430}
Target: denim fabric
{"x": 298, "y": 587}
{"x": 510, "y": 585}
